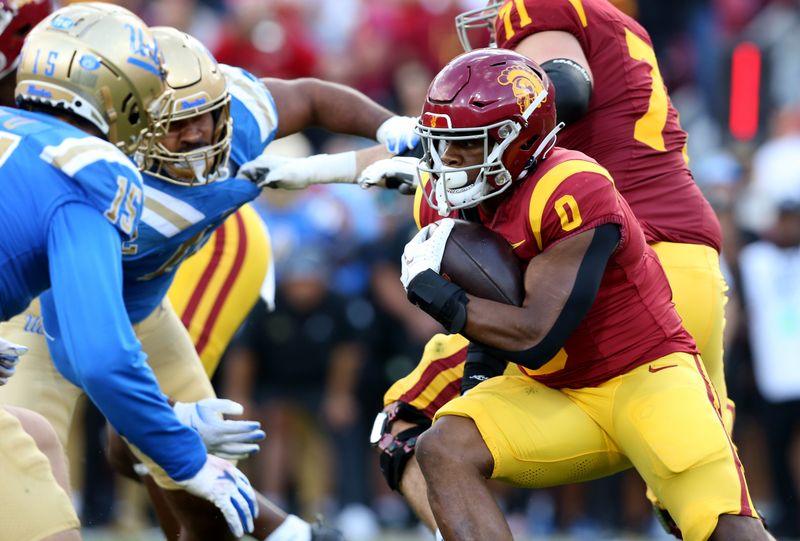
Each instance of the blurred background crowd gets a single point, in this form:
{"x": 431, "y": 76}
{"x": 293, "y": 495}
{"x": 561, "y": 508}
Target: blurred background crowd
{"x": 313, "y": 371}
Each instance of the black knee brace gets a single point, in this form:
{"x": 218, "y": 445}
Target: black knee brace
{"x": 396, "y": 450}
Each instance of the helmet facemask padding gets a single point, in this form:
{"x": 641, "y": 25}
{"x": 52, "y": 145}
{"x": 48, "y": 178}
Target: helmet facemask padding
{"x": 201, "y": 165}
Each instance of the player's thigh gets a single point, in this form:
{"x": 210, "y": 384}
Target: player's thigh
{"x": 216, "y": 288}
{"x": 668, "y": 423}
{"x": 33, "y": 505}
{"x": 436, "y": 379}
{"x": 538, "y": 437}
{"x": 37, "y": 385}
{"x": 177, "y": 368}
{"x": 699, "y": 293}
{"x": 172, "y": 356}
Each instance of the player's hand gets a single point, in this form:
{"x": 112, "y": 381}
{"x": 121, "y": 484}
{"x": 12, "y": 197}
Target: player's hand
{"x": 234, "y": 440}
{"x": 299, "y": 173}
{"x": 9, "y": 357}
{"x": 398, "y": 173}
{"x": 398, "y": 134}
{"x": 221, "y": 483}
{"x": 256, "y": 170}
{"x": 425, "y": 250}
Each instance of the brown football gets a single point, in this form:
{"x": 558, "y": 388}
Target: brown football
{"x": 483, "y": 263}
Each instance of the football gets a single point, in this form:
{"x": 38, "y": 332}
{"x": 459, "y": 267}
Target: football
{"x": 483, "y": 263}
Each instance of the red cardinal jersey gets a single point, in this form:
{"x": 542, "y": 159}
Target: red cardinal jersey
{"x": 632, "y": 320}
{"x": 631, "y": 127}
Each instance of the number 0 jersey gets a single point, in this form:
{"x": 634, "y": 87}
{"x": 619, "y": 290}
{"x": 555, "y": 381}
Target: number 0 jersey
{"x": 44, "y": 164}
{"x": 178, "y": 220}
{"x": 631, "y": 127}
{"x": 632, "y": 320}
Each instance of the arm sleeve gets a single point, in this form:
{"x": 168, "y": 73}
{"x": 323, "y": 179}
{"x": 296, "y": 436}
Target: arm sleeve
{"x": 95, "y": 344}
{"x": 578, "y": 303}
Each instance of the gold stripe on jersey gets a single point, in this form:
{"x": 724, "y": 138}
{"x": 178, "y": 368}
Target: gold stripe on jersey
{"x": 578, "y": 5}
{"x": 232, "y": 290}
{"x": 419, "y": 195}
{"x": 549, "y": 183}
{"x": 166, "y": 213}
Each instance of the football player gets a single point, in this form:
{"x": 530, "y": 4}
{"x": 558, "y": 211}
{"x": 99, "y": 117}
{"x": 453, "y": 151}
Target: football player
{"x": 628, "y": 125}
{"x": 222, "y": 116}
{"x": 70, "y": 198}
{"x": 607, "y": 376}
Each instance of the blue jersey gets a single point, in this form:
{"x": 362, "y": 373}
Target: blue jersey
{"x": 177, "y": 220}
{"x": 67, "y": 200}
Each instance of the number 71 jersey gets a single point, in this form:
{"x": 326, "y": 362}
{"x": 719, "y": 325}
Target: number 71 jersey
{"x": 631, "y": 127}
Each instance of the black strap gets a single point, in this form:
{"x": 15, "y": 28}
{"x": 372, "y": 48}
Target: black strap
{"x": 580, "y": 300}
{"x": 441, "y": 299}
{"x": 573, "y": 88}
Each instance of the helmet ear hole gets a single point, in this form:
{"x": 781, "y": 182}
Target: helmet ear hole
{"x": 134, "y": 116}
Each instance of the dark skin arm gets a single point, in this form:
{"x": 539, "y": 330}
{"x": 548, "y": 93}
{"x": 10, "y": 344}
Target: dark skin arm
{"x": 307, "y": 102}
{"x": 548, "y": 282}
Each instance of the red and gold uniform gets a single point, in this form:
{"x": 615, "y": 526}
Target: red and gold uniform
{"x": 627, "y": 387}
{"x": 632, "y": 130}
{"x": 216, "y": 288}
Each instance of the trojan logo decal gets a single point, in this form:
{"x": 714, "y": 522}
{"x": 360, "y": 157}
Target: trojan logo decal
{"x": 525, "y": 84}
{"x": 433, "y": 120}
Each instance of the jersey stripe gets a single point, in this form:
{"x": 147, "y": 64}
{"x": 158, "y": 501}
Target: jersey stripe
{"x": 220, "y": 299}
{"x": 578, "y": 5}
{"x": 452, "y": 390}
{"x": 73, "y": 154}
{"x": 205, "y": 279}
{"x": 549, "y": 183}
{"x": 435, "y": 378}
{"x": 167, "y": 214}
{"x": 419, "y": 194}
{"x": 257, "y": 100}
{"x": 747, "y": 508}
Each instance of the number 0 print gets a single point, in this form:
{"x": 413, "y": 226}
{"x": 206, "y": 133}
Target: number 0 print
{"x": 567, "y": 210}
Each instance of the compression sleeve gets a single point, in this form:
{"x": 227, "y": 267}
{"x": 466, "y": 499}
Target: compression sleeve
{"x": 94, "y": 345}
{"x": 573, "y": 88}
{"x": 580, "y": 300}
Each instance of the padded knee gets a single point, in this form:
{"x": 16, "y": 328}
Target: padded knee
{"x": 397, "y": 449}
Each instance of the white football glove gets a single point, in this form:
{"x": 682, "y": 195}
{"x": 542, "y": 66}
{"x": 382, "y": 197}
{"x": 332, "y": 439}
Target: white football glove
{"x": 256, "y": 170}
{"x": 221, "y": 483}
{"x": 9, "y": 357}
{"x": 398, "y": 173}
{"x": 233, "y": 440}
{"x": 397, "y": 133}
{"x": 299, "y": 173}
{"x": 425, "y": 250}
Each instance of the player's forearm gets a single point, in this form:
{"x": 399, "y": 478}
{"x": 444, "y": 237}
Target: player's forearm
{"x": 342, "y": 109}
{"x": 97, "y": 348}
{"x": 302, "y": 103}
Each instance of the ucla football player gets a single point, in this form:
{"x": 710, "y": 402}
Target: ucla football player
{"x": 69, "y": 197}
{"x": 221, "y": 117}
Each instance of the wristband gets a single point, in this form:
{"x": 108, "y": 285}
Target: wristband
{"x": 441, "y": 299}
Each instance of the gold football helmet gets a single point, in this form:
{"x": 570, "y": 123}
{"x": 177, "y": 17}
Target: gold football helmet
{"x": 199, "y": 88}
{"x": 100, "y": 62}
